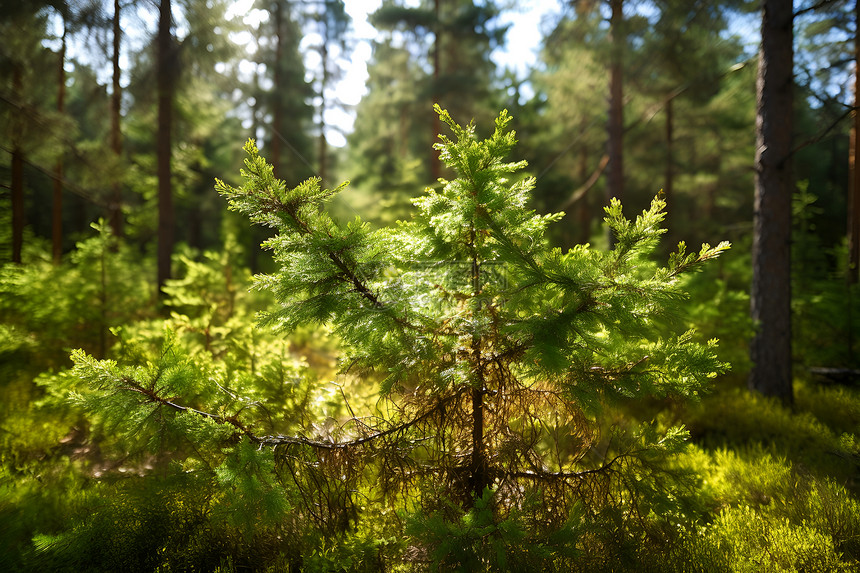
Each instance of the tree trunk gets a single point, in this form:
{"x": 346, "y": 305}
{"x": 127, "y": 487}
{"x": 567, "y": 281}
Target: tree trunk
{"x": 478, "y": 478}
{"x": 615, "y": 131}
{"x": 277, "y": 108}
{"x": 854, "y": 163}
{"x": 770, "y": 298}
{"x": 435, "y": 166}
{"x": 583, "y": 232}
{"x": 57, "y": 219}
{"x": 166, "y": 71}
{"x": 322, "y": 143}
{"x": 669, "y": 174}
{"x": 17, "y": 185}
{"x": 115, "y": 204}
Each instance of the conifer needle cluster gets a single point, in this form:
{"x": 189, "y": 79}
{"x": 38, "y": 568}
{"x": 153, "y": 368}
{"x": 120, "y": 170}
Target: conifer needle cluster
{"x": 494, "y": 356}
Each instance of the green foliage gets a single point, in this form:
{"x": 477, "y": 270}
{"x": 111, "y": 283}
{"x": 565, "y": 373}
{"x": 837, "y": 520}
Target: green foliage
{"x": 774, "y": 545}
{"x": 719, "y": 307}
{"x": 491, "y": 348}
{"x": 502, "y": 366}
{"x": 183, "y": 491}
{"x": 353, "y": 552}
{"x": 44, "y": 306}
{"x": 493, "y": 354}
{"x": 113, "y": 479}
{"x": 44, "y": 310}
{"x": 473, "y": 358}
{"x": 388, "y": 157}
{"x": 773, "y": 516}
{"x": 824, "y": 303}
{"x": 778, "y": 483}
{"x": 479, "y": 539}
{"x": 201, "y": 442}
{"x": 735, "y": 418}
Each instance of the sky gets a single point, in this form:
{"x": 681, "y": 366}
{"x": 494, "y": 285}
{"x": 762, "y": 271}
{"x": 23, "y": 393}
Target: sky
{"x": 520, "y": 53}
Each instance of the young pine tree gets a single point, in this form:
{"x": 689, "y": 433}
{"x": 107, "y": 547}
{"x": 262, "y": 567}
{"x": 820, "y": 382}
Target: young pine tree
{"x": 495, "y": 356}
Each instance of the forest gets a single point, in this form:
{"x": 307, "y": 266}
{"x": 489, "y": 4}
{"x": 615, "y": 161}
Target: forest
{"x": 600, "y": 314}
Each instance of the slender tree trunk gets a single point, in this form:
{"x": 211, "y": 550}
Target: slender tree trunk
{"x": 478, "y": 468}
{"x": 669, "y": 175}
{"x": 615, "y": 131}
{"x": 103, "y": 304}
{"x": 115, "y": 207}
{"x": 854, "y": 163}
{"x": 166, "y": 71}
{"x": 322, "y": 143}
{"x": 770, "y": 298}
{"x": 277, "y": 108}
{"x": 403, "y": 140}
{"x": 18, "y": 220}
{"x": 853, "y": 271}
{"x": 583, "y": 212}
{"x": 257, "y": 108}
{"x": 57, "y": 218}
{"x": 254, "y": 239}
{"x": 435, "y": 166}
{"x": 478, "y": 463}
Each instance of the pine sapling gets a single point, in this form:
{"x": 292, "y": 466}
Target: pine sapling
{"x": 494, "y": 353}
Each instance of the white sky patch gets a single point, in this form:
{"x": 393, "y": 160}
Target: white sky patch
{"x": 524, "y": 35}
{"x": 359, "y": 10}
{"x": 520, "y": 53}
{"x": 353, "y": 85}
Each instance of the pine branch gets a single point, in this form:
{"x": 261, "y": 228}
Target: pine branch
{"x": 263, "y": 194}
{"x": 153, "y": 397}
{"x": 564, "y": 476}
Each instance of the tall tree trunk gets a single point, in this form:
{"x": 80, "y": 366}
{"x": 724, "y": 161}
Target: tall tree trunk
{"x": 115, "y": 205}
{"x": 853, "y": 272}
{"x": 57, "y": 219}
{"x": 770, "y": 298}
{"x": 669, "y": 174}
{"x": 322, "y": 143}
{"x": 615, "y": 131}
{"x": 435, "y": 165}
{"x": 166, "y": 71}
{"x": 277, "y": 107}
{"x": 18, "y": 220}
{"x": 583, "y": 232}
{"x": 255, "y": 237}
{"x": 478, "y": 475}
{"x": 854, "y": 163}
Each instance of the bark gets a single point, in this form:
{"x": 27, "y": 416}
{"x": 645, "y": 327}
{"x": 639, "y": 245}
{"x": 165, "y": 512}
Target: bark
{"x": 478, "y": 470}
{"x": 57, "y": 207}
{"x": 17, "y": 204}
{"x": 17, "y": 185}
{"x": 582, "y": 208}
{"x": 854, "y": 162}
{"x": 115, "y": 204}
{"x": 478, "y": 474}
{"x": 615, "y": 131}
{"x": 322, "y": 143}
{"x": 435, "y": 166}
{"x": 277, "y": 108}
{"x": 770, "y": 298}
{"x": 166, "y": 71}
{"x": 669, "y": 175}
